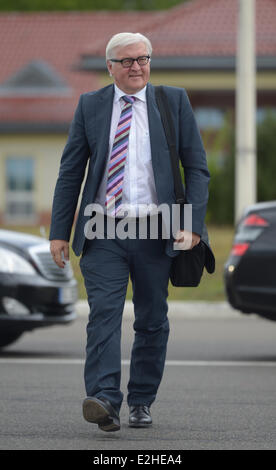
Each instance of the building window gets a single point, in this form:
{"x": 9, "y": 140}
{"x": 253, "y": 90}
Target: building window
{"x": 263, "y": 113}
{"x": 19, "y": 190}
{"x": 209, "y": 118}
{"x": 214, "y": 118}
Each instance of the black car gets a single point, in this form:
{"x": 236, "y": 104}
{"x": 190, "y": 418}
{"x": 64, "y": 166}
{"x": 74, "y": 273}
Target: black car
{"x": 250, "y": 271}
{"x": 34, "y": 291}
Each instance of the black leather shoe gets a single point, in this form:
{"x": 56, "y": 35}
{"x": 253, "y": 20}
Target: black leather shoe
{"x": 139, "y": 416}
{"x": 101, "y": 412}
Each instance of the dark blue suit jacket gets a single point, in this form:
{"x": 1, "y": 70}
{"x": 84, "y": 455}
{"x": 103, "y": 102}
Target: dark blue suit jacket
{"x": 88, "y": 142}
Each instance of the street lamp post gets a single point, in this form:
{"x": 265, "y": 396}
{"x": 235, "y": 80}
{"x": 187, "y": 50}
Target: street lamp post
{"x": 245, "y": 168}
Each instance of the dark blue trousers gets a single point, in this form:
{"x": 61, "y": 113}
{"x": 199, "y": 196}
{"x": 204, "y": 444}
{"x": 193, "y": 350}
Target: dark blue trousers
{"x": 106, "y": 265}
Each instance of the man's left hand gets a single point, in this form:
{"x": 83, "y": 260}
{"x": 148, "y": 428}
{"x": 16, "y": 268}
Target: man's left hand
{"x": 186, "y": 240}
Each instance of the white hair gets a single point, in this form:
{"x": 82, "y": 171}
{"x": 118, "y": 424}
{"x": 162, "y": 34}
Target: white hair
{"x": 125, "y": 39}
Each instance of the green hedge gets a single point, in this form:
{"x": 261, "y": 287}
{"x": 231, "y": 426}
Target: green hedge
{"x": 87, "y": 5}
{"x": 221, "y": 162}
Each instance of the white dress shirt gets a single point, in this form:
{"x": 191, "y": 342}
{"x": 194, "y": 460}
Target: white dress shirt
{"x": 138, "y": 184}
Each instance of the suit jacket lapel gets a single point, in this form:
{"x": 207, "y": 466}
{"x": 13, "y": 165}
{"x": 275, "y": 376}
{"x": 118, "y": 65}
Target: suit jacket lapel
{"x": 104, "y": 106}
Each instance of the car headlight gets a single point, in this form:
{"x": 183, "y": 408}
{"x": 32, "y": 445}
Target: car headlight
{"x": 13, "y": 263}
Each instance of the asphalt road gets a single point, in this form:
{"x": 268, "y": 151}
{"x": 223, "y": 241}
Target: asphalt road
{"x": 218, "y": 389}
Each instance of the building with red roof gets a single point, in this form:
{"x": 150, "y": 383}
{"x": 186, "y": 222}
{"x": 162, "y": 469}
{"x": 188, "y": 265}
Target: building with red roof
{"x": 49, "y": 59}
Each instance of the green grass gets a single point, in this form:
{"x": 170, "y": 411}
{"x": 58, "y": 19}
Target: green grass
{"x": 211, "y": 287}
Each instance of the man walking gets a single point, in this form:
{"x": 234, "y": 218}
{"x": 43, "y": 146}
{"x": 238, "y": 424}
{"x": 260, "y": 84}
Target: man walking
{"x": 117, "y": 130}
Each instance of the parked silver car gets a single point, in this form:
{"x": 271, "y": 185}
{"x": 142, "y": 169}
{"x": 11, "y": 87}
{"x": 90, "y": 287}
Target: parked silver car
{"x": 34, "y": 291}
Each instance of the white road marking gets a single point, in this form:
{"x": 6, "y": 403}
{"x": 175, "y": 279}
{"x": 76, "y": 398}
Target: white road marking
{"x": 126, "y": 362}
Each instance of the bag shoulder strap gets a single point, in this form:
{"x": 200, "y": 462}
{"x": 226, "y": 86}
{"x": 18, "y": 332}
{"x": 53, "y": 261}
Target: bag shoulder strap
{"x": 166, "y": 118}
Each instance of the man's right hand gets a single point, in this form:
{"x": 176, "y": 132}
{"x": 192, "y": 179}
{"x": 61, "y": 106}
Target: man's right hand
{"x": 57, "y": 247}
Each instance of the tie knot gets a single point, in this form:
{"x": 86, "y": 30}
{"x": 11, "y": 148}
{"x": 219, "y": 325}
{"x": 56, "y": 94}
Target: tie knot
{"x": 128, "y": 99}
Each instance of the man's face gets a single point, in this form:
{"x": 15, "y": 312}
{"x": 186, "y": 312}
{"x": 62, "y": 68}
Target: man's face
{"x": 134, "y": 78}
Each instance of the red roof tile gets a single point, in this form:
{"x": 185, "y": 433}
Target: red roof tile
{"x": 203, "y": 28}
{"x": 196, "y": 28}
{"x": 35, "y": 110}
{"x": 210, "y": 27}
{"x": 58, "y": 39}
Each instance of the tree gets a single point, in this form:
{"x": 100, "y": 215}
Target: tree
{"x": 78, "y": 5}
{"x": 266, "y": 166}
{"x": 222, "y": 168}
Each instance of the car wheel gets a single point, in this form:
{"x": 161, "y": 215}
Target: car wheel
{"x": 8, "y": 337}
{"x": 268, "y": 316}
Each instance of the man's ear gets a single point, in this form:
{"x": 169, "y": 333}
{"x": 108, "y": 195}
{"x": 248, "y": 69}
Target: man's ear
{"x": 109, "y": 67}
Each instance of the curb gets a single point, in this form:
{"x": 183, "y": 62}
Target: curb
{"x": 179, "y": 309}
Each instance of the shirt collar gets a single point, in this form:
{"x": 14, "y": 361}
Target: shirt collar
{"x": 140, "y": 95}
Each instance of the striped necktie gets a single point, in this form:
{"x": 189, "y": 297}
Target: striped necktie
{"x": 116, "y": 166}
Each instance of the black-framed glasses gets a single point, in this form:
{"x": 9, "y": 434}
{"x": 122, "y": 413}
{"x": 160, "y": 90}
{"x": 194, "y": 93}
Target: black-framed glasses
{"x": 128, "y": 61}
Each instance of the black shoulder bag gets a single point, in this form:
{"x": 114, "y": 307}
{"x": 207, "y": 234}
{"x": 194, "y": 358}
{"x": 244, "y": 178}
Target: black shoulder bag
{"x": 187, "y": 266}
